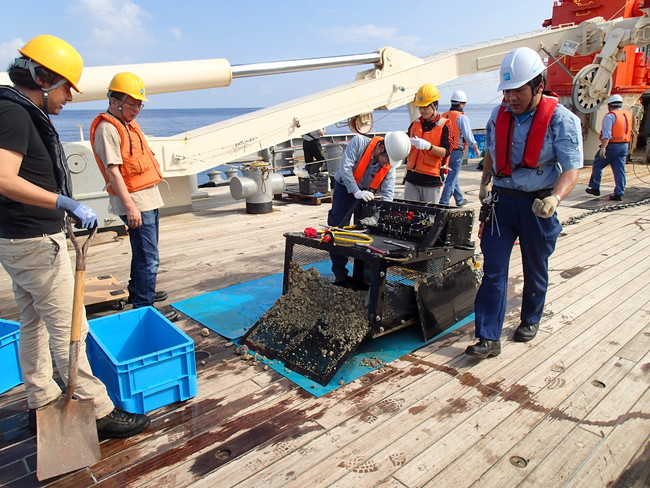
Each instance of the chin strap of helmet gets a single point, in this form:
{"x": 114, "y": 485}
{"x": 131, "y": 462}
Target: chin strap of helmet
{"x": 31, "y": 66}
{"x": 536, "y": 87}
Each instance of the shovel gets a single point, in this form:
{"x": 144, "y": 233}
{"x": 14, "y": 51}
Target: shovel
{"x": 66, "y": 436}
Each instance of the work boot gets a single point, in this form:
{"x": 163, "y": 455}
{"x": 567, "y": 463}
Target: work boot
{"x": 592, "y": 191}
{"x": 484, "y": 348}
{"x": 120, "y": 424}
{"x": 171, "y": 314}
{"x": 526, "y": 332}
{"x": 616, "y": 198}
{"x": 345, "y": 282}
{"x": 159, "y": 296}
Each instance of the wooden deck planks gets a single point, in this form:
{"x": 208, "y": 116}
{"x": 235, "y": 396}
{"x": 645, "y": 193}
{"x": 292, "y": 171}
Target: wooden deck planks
{"x": 432, "y": 418}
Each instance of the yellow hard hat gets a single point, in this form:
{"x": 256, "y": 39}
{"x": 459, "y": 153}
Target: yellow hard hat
{"x": 128, "y": 83}
{"x": 426, "y": 95}
{"x": 56, "y": 55}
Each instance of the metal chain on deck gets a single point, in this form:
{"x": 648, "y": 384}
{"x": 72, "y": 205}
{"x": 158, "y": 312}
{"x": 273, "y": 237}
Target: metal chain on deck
{"x": 607, "y": 208}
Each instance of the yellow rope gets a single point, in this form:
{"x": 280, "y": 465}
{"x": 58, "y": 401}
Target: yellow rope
{"x": 337, "y": 232}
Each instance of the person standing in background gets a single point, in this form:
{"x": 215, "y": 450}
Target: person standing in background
{"x": 432, "y": 139}
{"x": 132, "y": 175}
{"x": 462, "y": 136}
{"x": 615, "y": 136}
{"x": 312, "y": 150}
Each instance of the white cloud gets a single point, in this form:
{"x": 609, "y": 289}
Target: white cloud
{"x": 9, "y": 52}
{"x": 176, "y": 33}
{"x": 117, "y": 26}
{"x": 375, "y": 35}
{"x": 356, "y": 33}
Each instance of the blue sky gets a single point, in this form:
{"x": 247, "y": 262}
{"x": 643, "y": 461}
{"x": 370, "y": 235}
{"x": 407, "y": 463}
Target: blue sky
{"x": 108, "y": 32}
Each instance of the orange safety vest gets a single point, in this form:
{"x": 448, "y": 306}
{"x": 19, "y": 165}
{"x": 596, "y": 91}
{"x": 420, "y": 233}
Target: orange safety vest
{"x": 425, "y": 161}
{"x": 365, "y": 161}
{"x": 622, "y": 128}
{"x": 453, "y": 115}
{"x": 534, "y": 140}
{"x": 140, "y": 169}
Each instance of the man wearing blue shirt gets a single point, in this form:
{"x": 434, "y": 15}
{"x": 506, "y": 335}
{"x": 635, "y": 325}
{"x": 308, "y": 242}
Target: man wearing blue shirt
{"x": 615, "y": 137}
{"x": 462, "y": 136}
{"x": 367, "y": 166}
{"x": 533, "y": 169}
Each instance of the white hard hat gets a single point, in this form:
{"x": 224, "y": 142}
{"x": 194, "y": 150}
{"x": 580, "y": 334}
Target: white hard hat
{"x": 615, "y": 99}
{"x": 519, "y": 67}
{"x": 459, "y": 96}
{"x": 398, "y": 147}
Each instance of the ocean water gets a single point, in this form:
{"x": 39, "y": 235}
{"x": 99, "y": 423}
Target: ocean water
{"x": 160, "y": 122}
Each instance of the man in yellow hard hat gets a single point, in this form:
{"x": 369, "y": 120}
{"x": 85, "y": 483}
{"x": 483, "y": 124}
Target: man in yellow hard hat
{"x": 132, "y": 175}
{"x": 432, "y": 139}
{"x": 35, "y": 194}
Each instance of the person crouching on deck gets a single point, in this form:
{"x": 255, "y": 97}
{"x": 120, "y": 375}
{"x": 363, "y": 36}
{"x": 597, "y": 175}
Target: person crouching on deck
{"x": 535, "y": 149}
{"x": 367, "y": 166}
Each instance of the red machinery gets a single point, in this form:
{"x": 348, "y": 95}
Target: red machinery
{"x": 632, "y": 75}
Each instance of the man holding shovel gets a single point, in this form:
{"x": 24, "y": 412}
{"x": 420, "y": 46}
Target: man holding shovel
{"x": 35, "y": 195}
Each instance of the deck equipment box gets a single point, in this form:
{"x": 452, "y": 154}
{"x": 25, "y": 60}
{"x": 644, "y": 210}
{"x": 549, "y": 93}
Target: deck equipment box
{"x": 143, "y": 359}
{"x": 11, "y": 375}
{"x": 317, "y": 183}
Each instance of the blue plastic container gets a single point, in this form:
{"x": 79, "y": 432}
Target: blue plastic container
{"x": 11, "y": 375}
{"x": 143, "y": 359}
{"x": 480, "y": 142}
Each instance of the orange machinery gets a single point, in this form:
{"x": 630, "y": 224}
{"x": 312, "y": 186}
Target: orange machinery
{"x": 632, "y": 75}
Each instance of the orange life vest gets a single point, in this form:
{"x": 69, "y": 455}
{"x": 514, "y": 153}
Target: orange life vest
{"x": 425, "y": 161}
{"x": 622, "y": 128}
{"x": 453, "y": 115}
{"x": 140, "y": 169}
{"x": 534, "y": 141}
{"x": 365, "y": 161}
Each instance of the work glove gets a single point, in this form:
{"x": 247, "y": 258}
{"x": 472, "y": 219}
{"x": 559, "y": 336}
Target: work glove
{"x": 545, "y": 208}
{"x": 364, "y": 195}
{"x": 602, "y": 153}
{"x": 85, "y": 216}
{"x": 418, "y": 143}
{"x": 483, "y": 190}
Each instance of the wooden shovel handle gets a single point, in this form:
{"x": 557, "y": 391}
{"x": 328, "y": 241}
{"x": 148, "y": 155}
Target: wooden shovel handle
{"x": 77, "y": 303}
{"x": 79, "y": 279}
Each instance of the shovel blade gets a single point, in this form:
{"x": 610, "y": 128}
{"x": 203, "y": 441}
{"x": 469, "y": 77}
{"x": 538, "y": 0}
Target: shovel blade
{"x": 66, "y": 438}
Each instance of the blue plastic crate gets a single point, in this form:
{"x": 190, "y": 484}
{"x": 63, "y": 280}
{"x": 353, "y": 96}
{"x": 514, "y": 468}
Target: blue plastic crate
{"x": 480, "y": 142}
{"x": 11, "y": 375}
{"x": 142, "y": 358}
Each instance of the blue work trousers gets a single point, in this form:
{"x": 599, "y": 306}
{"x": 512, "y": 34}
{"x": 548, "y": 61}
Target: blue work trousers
{"x": 144, "y": 259}
{"x": 451, "y": 182}
{"x": 615, "y": 156}
{"x": 537, "y": 237}
{"x": 342, "y": 202}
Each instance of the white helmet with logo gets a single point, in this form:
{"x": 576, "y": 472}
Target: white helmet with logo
{"x": 519, "y": 67}
{"x": 459, "y": 97}
{"x": 398, "y": 146}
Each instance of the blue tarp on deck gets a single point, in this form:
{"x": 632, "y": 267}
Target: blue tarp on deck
{"x": 232, "y": 311}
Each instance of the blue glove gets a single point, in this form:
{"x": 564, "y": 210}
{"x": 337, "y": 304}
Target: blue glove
{"x": 85, "y": 216}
